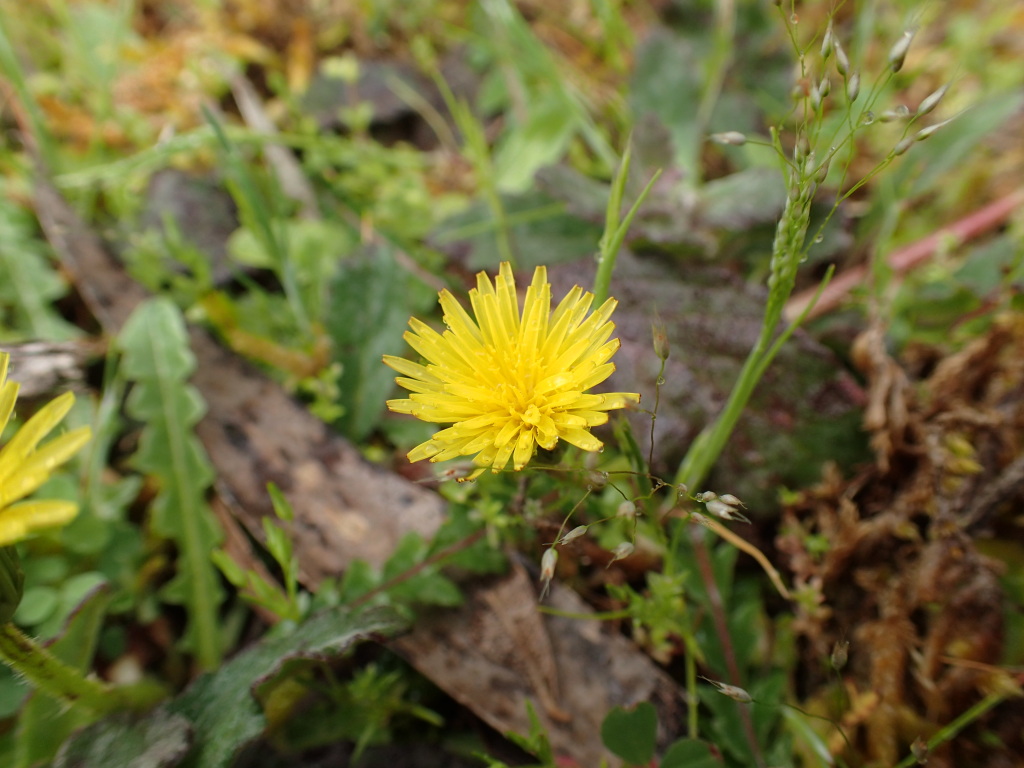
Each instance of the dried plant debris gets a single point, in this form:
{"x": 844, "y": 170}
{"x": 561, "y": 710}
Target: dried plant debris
{"x": 889, "y": 562}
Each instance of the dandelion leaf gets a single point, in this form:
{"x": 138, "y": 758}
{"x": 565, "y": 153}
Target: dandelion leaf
{"x": 158, "y": 360}
{"x": 371, "y": 300}
{"x": 221, "y": 706}
{"x": 159, "y": 741}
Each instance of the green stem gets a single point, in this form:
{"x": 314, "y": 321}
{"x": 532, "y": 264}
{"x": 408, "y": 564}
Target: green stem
{"x": 62, "y": 681}
{"x": 614, "y": 230}
{"x": 705, "y": 450}
{"x": 786, "y": 254}
{"x": 717, "y": 66}
{"x": 951, "y": 729}
{"x": 716, "y": 604}
{"x": 11, "y": 67}
{"x": 692, "y": 710}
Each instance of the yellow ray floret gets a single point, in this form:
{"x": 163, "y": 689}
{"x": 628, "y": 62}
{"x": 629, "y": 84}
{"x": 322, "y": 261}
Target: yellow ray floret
{"x": 507, "y": 381}
{"x": 25, "y": 465}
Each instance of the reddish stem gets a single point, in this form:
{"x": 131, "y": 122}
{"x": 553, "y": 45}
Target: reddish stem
{"x": 903, "y": 260}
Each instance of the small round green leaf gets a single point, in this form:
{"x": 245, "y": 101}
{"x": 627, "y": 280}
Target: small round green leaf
{"x": 690, "y": 753}
{"x": 630, "y": 733}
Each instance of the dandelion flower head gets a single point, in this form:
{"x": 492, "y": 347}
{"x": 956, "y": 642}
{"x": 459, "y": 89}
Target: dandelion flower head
{"x": 25, "y": 465}
{"x": 507, "y": 381}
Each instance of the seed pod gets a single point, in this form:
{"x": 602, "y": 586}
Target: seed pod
{"x": 625, "y": 549}
{"x": 926, "y": 132}
{"x": 810, "y": 164}
{"x": 842, "y": 60}
{"x": 548, "y": 561}
{"x": 659, "y": 337}
{"x": 815, "y": 99}
{"x": 903, "y": 146}
{"x": 575, "y": 533}
{"x": 932, "y": 100}
{"x": 827, "y": 44}
{"x": 720, "y": 509}
{"x": 919, "y": 749}
{"x": 853, "y": 86}
{"x": 824, "y": 87}
{"x": 840, "y": 654}
{"x": 732, "y": 691}
{"x": 626, "y": 509}
{"x": 734, "y": 138}
{"x": 898, "y": 53}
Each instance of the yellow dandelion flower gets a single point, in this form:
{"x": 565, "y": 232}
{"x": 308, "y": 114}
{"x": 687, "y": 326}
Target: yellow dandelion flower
{"x": 508, "y": 382}
{"x": 24, "y": 465}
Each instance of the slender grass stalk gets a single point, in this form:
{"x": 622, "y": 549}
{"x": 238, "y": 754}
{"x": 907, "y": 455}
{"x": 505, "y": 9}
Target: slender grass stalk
{"x": 716, "y": 67}
{"x": 951, "y": 729}
{"x": 478, "y": 153}
{"x": 614, "y": 229}
{"x": 721, "y": 622}
{"x": 65, "y": 683}
{"x": 257, "y": 214}
{"x": 787, "y": 252}
{"x": 11, "y": 68}
{"x": 692, "y": 711}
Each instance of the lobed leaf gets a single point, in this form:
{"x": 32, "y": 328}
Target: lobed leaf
{"x": 158, "y": 360}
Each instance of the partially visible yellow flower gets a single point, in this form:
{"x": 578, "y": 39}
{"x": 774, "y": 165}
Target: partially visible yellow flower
{"x": 508, "y": 382}
{"x": 25, "y": 465}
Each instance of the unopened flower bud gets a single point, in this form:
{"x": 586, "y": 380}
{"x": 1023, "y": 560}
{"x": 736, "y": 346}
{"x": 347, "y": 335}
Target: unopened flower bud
{"x": 932, "y": 100}
{"x": 731, "y": 500}
{"x": 596, "y": 479}
{"x": 735, "y": 138}
{"x": 706, "y": 496}
{"x": 840, "y": 654}
{"x": 898, "y": 53}
{"x": 548, "y": 561}
{"x": 626, "y": 509}
{"x": 624, "y": 550}
{"x": 853, "y": 86}
{"x": 824, "y": 87}
{"x": 575, "y": 533}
